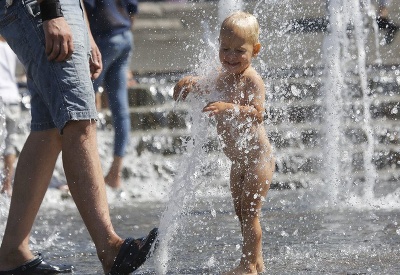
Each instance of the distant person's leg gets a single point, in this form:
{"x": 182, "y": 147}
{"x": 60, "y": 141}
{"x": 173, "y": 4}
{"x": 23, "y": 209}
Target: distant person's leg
{"x": 8, "y": 172}
{"x": 12, "y": 114}
{"x": 116, "y": 87}
{"x": 385, "y": 23}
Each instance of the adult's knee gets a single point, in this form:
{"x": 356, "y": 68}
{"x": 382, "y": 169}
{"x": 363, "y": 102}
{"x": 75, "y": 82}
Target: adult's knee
{"x": 82, "y": 127}
{"x": 79, "y": 130}
{"x": 49, "y": 138}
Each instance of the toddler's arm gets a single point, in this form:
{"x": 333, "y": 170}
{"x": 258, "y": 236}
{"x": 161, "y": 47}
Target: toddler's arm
{"x": 242, "y": 111}
{"x": 254, "y": 109}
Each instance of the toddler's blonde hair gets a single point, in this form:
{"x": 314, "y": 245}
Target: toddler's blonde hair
{"x": 245, "y": 23}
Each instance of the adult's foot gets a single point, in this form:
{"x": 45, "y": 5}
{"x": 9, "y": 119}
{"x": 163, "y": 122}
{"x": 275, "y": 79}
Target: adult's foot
{"x": 37, "y": 266}
{"x": 384, "y": 23}
{"x": 133, "y": 253}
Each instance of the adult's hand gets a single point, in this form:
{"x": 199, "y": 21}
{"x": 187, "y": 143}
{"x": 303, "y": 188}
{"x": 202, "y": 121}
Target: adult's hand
{"x": 58, "y": 35}
{"x": 95, "y": 62}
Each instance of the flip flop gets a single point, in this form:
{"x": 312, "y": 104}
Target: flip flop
{"x": 133, "y": 253}
{"x": 37, "y": 266}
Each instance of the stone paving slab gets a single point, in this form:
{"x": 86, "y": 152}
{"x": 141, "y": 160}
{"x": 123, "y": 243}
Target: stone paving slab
{"x": 169, "y": 36}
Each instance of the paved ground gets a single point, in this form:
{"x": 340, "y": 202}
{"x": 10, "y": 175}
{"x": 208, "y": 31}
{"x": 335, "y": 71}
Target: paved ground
{"x": 169, "y": 36}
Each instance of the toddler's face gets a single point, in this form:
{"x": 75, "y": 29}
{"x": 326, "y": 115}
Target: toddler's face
{"x": 235, "y": 52}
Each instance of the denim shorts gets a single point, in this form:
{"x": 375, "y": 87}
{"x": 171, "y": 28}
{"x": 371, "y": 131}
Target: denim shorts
{"x": 60, "y": 91}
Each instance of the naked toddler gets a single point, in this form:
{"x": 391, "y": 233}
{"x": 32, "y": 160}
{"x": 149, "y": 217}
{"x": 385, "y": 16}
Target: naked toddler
{"x": 237, "y": 103}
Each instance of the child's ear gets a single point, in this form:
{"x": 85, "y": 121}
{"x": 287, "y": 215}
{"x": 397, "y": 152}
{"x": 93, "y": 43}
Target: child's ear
{"x": 256, "y": 49}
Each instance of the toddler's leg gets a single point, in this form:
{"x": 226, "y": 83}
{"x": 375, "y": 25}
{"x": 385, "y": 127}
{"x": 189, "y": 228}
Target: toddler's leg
{"x": 248, "y": 188}
{"x": 237, "y": 182}
{"x": 256, "y": 185}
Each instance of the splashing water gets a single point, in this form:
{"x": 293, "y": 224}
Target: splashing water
{"x": 226, "y": 7}
{"x": 4, "y": 202}
{"x": 195, "y": 174}
{"x": 299, "y": 234}
{"x": 346, "y": 68}
{"x": 190, "y": 183}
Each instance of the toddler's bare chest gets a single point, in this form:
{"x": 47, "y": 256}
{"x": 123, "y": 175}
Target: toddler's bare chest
{"x": 236, "y": 94}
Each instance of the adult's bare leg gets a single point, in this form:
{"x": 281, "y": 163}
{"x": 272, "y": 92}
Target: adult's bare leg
{"x": 33, "y": 173}
{"x": 85, "y": 179}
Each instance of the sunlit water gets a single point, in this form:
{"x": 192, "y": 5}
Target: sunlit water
{"x": 298, "y": 238}
{"x": 301, "y": 235}
{"x": 313, "y": 230}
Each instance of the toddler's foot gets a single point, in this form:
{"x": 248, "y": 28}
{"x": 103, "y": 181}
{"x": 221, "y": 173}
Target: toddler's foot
{"x": 240, "y": 270}
{"x": 260, "y": 266}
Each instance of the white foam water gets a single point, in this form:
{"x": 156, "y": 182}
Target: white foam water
{"x": 326, "y": 228}
{"x": 193, "y": 182}
{"x": 345, "y": 64}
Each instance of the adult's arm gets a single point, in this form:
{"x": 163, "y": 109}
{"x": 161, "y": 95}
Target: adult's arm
{"x": 95, "y": 61}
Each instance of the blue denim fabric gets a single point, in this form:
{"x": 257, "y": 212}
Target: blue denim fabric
{"x": 60, "y": 91}
{"x": 115, "y": 51}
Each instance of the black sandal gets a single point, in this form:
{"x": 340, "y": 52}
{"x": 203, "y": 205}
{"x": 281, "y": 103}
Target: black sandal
{"x": 133, "y": 253}
{"x": 37, "y": 266}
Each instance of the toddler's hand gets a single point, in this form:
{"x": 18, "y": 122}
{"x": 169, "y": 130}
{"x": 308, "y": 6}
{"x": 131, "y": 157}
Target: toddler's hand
{"x": 184, "y": 87}
{"x": 216, "y": 107}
